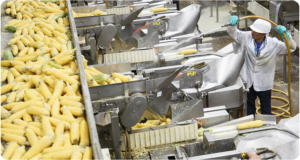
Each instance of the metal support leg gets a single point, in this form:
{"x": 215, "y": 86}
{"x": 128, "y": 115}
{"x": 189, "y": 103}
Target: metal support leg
{"x": 245, "y": 109}
{"x": 80, "y": 3}
{"x": 116, "y": 134}
{"x": 93, "y": 50}
{"x": 211, "y": 8}
{"x": 217, "y": 11}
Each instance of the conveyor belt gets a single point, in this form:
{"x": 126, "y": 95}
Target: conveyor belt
{"x": 162, "y": 136}
{"x": 84, "y": 87}
{"x": 119, "y": 10}
{"x": 132, "y": 56}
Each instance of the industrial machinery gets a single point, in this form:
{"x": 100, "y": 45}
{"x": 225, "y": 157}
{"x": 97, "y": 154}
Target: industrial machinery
{"x": 201, "y": 87}
{"x": 114, "y": 33}
{"x": 285, "y": 13}
{"x": 183, "y": 98}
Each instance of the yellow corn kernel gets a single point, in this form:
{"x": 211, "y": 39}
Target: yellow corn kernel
{"x": 27, "y": 117}
{"x": 25, "y": 58}
{"x": 31, "y": 136}
{"x": 11, "y": 137}
{"x": 74, "y": 133}
{"x": 25, "y": 31}
{"x": 67, "y": 112}
{"x": 10, "y": 3}
{"x": 12, "y": 126}
{"x": 25, "y": 41}
{"x": 36, "y": 37}
{"x": 43, "y": 143}
{"x": 36, "y": 44}
{"x": 87, "y": 154}
{"x": 24, "y": 51}
{"x": 4, "y": 113}
{"x": 61, "y": 40}
{"x": 18, "y": 153}
{"x": 38, "y": 111}
{"x": 10, "y": 149}
{"x": 22, "y": 8}
{"x": 47, "y": 32}
{"x": 20, "y": 45}
{"x": 17, "y": 115}
{"x": 19, "y": 6}
{"x": 7, "y": 11}
{"x": 84, "y": 134}
{"x": 44, "y": 25}
{"x": 64, "y": 77}
{"x": 11, "y": 97}
{"x": 20, "y": 122}
{"x": 30, "y": 94}
{"x": 53, "y": 10}
{"x": 13, "y": 12}
{"x": 19, "y": 16}
{"x": 18, "y": 132}
{"x": 54, "y": 51}
{"x": 14, "y": 40}
{"x": 62, "y": 35}
{"x": 40, "y": 33}
{"x": 27, "y": 13}
{"x": 34, "y": 4}
{"x": 29, "y": 38}
{"x": 23, "y": 26}
{"x": 56, "y": 45}
{"x": 10, "y": 77}
{"x": 17, "y": 33}
{"x": 31, "y": 50}
{"x": 36, "y": 29}
{"x": 46, "y": 126}
{"x": 59, "y": 129}
{"x": 45, "y": 91}
{"x": 4, "y": 75}
{"x": 60, "y": 21}
{"x": 63, "y": 48}
{"x": 6, "y": 63}
{"x": 66, "y": 21}
{"x": 14, "y": 50}
{"x": 7, "y": 88}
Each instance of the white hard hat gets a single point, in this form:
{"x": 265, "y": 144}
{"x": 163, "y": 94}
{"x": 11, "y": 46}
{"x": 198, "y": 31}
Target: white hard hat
{"x": 261, "y": 26}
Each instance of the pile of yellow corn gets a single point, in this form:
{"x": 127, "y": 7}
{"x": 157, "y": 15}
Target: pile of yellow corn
{"x": 96, "y": 78}
{"x": 95, "y": 13}
{"x": 43, "y": 105}
{"x": 152, "y": 123}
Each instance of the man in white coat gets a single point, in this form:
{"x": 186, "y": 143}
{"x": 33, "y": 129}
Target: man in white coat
{"x": 260, "y": 59}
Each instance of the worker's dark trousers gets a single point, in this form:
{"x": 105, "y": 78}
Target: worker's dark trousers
{"x": 265, "y": 101}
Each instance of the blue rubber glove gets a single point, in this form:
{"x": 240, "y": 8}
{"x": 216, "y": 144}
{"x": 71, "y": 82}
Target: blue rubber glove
{"x": 233, "y": 20}
{"x": 281, "y": 29}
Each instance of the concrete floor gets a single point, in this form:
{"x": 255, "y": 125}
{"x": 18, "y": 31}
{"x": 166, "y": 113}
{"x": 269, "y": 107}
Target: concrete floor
{"x": 220, "y": 42}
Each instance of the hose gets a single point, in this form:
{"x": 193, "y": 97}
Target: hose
{"x": 280, "y": 107}
{"x": 289, "y": 75}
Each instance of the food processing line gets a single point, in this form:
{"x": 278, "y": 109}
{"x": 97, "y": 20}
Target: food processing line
{"x": 203, "y": 87}
{"x": 200, "y": 87}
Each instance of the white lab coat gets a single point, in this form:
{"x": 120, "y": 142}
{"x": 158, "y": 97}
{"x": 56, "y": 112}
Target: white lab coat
{"x": 259, "y": 71}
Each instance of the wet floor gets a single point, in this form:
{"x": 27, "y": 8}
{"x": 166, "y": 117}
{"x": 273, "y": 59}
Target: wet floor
{"x": 220, "y": 42}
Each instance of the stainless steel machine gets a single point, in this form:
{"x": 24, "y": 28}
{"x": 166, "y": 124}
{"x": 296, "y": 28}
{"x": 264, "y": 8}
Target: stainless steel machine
{"x": 179, "y": 88}
{"x": 284, "y": 13}
{"x": 195, "y": 87}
